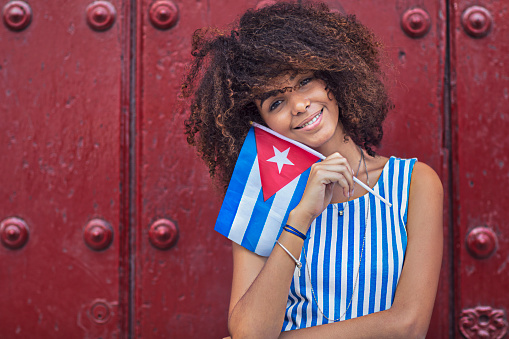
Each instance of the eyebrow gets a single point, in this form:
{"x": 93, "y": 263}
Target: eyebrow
{"x": 266, "y": 95}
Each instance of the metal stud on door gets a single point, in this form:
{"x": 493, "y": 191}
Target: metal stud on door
{"x": 17, "y": 15}
{"x": 101, "y": 15}
{"x": 416, "y": 22}
{"x": 13, "y": 233}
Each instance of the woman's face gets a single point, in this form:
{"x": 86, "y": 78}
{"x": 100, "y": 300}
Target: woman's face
{"x": 305, "y": 112}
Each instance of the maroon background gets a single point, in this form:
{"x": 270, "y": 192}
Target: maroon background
{"x": 90, "y": 128}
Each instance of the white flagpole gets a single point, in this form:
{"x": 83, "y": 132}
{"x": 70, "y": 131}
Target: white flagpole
{"x": 319, "y": 155}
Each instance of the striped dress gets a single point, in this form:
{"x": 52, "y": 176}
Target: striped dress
{"x": 353, "y": 256}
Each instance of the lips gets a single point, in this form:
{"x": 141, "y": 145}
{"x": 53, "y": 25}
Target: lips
{"x": 310, "y": 120}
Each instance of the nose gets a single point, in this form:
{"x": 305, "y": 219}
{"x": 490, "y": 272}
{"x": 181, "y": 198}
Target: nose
{"x": 300, "y": 104}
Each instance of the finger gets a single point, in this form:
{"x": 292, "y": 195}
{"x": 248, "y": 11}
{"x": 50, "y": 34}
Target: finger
{"x": 339, "y": 159}
{"x": 325, "y": 176}
{"x": 340, "y": 168}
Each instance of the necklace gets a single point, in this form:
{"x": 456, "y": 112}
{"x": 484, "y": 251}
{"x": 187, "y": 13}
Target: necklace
{"x": 356, "y": 175}
{"x": 308, "y": 270}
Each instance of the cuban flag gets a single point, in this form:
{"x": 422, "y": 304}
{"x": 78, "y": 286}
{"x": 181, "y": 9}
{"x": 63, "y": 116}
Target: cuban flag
{"x": 267, "y": 183}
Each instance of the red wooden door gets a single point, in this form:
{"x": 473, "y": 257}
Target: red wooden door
{"x": 119, "y": 211}
{"x": 480, "y": 101}
{"x": 183, "y": 291}
{"x": 61, "y": 147}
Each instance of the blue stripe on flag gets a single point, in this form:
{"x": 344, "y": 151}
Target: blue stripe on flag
{"x": 237, "y": 185}
{"x": 297, "y": 195}
{"x": 255, "y": 226}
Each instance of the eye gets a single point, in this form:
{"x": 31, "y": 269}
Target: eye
{"x": 305, "y": 81}
{"x": 275, "y": 105}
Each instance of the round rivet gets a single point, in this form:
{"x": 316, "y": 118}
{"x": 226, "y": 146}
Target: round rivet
{"x": 98, "y": 234}
{"x": 163, "y": 14}
{"x": 17, "y": 15}
{"x": 100, "y": 312}
{"x": 163, "y": 234}
{"x": 416, "y": 22}
{"x": 13, "y": 233}
{"x": 481, "y": 242}
{"x": 476, "y": 21}
{"x": 101, "y": 15}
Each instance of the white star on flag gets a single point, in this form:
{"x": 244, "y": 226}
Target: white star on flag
{"x": 280, "y": 158}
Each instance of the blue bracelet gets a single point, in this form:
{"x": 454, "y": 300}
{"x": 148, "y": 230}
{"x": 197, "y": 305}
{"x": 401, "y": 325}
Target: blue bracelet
{"x": 295, "y": 231}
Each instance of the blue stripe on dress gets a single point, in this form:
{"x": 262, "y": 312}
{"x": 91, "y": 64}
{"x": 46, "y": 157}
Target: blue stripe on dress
{"x": 373, "y": 254}
{"x": 326, "y": 262}
{"x": 395, "y": 247}
{"x": 314, "y": 268}
{"x": 362, "y": 266}
{"x": 350, "y": 262}
{"x": 294, "y": 305}
{"x": 385, "y": 251}
{"x": 339, "y": 251}
{"x": 303, "y": 310}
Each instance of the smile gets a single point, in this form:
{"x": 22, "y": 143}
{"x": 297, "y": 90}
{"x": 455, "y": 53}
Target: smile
{"x": 312, "y": 121}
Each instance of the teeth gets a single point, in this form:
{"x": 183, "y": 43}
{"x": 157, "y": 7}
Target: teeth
{"x": 312, "y": 120}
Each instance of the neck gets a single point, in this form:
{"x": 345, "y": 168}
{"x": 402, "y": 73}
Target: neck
{"x": 347, "y": 149}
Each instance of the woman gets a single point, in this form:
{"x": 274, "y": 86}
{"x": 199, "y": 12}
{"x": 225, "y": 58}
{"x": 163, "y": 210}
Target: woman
{"x": 366, "y": 269}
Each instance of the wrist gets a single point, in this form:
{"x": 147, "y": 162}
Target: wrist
{"x": 300, "y": 220}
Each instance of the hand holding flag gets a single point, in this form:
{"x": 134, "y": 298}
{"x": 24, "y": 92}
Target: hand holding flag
{"x": 267, "y": 183}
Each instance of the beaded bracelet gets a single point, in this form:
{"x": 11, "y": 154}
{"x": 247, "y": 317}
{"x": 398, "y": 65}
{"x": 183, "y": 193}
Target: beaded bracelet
{"x": 295, "y": 231}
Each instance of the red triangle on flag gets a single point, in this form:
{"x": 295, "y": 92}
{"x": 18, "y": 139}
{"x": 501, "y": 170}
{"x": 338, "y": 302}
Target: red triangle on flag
{"x": 280, "y": 161}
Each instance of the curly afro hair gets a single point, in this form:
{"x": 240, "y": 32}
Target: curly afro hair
{"x": 231, "y": 69}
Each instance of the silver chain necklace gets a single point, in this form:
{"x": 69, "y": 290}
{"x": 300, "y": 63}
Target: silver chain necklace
{"x": 308, "y": 270}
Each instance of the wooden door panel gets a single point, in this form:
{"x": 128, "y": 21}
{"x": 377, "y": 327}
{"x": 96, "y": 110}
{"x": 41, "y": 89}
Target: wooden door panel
{"x": 183, "y": 291}
{"x": 174, "y": 184}
{"x": 414, "y": 63}
{"x": 480, "y": 50}
{"x": 60, "y": 169}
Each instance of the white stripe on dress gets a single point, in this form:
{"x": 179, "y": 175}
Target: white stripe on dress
{"x": 379, "y": 255}
{"x": 332, "y": 264}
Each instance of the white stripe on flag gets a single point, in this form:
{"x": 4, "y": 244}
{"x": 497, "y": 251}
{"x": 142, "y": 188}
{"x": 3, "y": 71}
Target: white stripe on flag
{"x": 246, "y": 204}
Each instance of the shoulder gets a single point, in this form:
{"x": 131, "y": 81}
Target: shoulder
{"x": 425, "y": 182}
{"x": 425, "y": 200}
